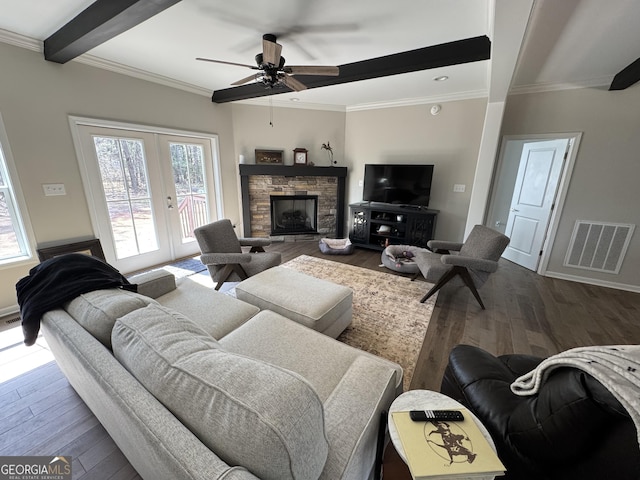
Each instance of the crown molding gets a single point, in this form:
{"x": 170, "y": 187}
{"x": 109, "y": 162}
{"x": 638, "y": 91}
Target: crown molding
{"x": 408, "y": 102}
{"x": 273, "y": 102}
{"x": 32, "y": 44}
{"x": 553, "y": 87}
{"x": 140, "y": 74}
{"x": 21, "y": 41}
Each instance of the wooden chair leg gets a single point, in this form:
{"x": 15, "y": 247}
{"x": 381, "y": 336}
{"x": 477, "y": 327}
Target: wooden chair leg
{"x": 228, "y": 269}
{"x": 440, "y": 283}
{"x": 466, "y": 277}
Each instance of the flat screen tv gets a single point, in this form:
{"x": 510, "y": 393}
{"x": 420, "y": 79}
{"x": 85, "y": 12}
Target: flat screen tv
{"x": 397, "y": 184}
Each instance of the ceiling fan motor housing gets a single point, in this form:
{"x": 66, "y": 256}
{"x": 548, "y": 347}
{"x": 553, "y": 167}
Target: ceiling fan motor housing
{"x": 264, "y": 66}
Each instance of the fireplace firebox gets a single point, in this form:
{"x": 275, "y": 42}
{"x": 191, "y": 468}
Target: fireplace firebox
{"x": 294, "y": 214}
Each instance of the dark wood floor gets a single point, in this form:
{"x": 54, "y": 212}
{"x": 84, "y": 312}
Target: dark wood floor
{"x": 526, "y": 313}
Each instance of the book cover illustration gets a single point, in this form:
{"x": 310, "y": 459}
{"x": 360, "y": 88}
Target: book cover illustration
{"x": 446, "y": 449}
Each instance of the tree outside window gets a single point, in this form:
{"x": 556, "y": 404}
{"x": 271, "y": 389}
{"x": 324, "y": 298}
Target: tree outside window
{"x": 13, "y": 241}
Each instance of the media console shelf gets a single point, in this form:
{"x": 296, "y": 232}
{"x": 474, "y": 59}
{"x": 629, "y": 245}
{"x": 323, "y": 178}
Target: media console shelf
{"x": 374, "y": 225}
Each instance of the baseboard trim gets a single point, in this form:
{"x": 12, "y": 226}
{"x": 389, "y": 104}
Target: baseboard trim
{"x": 593, "y": 281}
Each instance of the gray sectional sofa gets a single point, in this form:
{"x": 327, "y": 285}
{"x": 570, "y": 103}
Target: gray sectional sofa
{"x": 196, "y": 384}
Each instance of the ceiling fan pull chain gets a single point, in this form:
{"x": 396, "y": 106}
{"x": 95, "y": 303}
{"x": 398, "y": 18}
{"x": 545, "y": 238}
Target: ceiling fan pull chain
{"x": 271, "y": 111}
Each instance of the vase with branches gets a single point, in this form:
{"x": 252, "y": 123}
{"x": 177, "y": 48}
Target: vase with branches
{"x": 329, "y": 149}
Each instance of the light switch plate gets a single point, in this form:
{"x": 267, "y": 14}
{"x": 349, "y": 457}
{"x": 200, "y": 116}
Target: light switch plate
{"x": 53, "y": 189}
{"x": 459, "y": 188}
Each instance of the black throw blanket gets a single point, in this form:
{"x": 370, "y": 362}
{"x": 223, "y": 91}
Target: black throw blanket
{"x": 58, "y": 280}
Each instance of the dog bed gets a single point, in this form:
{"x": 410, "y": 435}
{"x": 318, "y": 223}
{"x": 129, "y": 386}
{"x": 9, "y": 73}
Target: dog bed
{"x": 399, "y": 258}
{"x": 336, "y": 246}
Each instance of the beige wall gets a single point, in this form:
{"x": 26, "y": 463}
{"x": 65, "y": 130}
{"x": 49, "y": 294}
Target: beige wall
{"x": 292, "y": 128}
{"x": 449, "y": 140}
{"x": 606, "y": 177}
{"x": 36, "y": 98}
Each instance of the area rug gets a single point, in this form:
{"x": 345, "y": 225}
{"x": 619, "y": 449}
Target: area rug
{"x": 388, "y": 318}
{"x": 186, "y": 267}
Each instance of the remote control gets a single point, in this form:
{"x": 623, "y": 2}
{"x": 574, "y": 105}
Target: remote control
{"x": 425, "y": 415}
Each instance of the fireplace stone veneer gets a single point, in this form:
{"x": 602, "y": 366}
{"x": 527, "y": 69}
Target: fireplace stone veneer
{"x": 259, "y": 182}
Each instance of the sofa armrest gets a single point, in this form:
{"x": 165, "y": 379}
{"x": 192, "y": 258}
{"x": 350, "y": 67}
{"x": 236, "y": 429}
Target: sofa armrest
{"x": 224, "y": 258}
{"x": 444, "y": 245}
{"x": 366, "y": 390}
{"x": 470, "y": 262}
{"x": 254, "y": 242}
{"x": 154, "y": 283}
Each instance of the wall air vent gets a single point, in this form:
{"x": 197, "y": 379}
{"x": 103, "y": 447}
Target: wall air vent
{"x": 598, "y": 246}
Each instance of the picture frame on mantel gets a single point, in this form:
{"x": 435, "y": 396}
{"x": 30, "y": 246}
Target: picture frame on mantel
{"x": 269, "y": 157}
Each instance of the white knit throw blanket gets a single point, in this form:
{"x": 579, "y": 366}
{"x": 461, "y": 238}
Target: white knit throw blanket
{"x": 617, "y": 367}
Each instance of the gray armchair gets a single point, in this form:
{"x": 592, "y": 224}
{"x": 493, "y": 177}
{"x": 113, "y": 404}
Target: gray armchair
{"x": 477, "y": 258}
{"x": 223, "y": 255}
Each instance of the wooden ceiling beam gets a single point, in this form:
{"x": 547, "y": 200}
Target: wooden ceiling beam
{"x": 626, "y": 77}
{"x": 99, "y": 22}
{"x": 452, "y": 53}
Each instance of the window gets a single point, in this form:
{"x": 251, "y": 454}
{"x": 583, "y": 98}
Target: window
{"x": 14, "y": 245}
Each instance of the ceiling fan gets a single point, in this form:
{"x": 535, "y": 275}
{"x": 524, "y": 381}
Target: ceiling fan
{"x": 272, "y": 69}
{"x": 466, "y": 50}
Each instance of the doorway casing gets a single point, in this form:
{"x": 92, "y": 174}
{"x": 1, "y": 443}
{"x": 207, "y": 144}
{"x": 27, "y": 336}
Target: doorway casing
{"x": 504, "y": 183}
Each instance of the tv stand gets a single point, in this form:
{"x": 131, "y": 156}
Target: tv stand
{"x": 375, "y": 225}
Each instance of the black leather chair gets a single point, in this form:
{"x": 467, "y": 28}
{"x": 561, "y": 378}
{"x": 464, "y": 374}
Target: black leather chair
{"x": 572, "y": 429}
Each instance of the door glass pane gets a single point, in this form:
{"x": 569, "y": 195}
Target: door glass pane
{"x": 123, "y": 171}
{"x": 187, "y": 163}
{"x": 9, "y": 244}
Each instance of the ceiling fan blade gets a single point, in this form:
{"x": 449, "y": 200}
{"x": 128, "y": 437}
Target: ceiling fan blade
{"x": 227, "y": 63}
{"x": 271, "y": 50}
{"x": 245, "y": 80}
{"x": 293, "y": 84}
{"x": 312, "y": 70}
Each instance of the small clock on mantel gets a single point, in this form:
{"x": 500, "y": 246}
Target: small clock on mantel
{"x": 300, "y": 156}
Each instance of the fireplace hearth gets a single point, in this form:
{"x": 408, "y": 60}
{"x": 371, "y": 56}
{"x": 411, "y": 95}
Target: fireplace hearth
{"x": 294, "y": 214}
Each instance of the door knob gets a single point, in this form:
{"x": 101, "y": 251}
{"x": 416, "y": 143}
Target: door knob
{"x": 515, "y": 210}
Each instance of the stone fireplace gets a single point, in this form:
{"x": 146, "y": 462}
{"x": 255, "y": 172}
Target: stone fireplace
{"x": 261, "y": 184}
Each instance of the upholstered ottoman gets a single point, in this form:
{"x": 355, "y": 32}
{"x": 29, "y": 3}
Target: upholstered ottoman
{"x": 318, "y": 304}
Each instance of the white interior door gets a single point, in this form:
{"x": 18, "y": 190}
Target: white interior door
{"x": 532, "y": 202}
{"x": 147, "y": 192}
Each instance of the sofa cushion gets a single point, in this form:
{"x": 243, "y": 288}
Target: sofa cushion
{"x": 97, "y": 311}
{"x": 248, "y": 412}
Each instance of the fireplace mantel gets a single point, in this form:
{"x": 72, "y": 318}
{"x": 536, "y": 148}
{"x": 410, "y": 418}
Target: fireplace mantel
{"x": 340, "y": 173}
{"x": 292, "y": 171}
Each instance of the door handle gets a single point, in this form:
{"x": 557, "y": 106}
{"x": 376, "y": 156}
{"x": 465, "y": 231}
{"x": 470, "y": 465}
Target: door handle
{"x": 515, "y": 210}
{"x": 169, "y": 204}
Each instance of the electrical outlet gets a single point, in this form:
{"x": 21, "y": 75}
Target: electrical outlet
{"x": 459, "y": 188}
{"x": 53, "y": 189}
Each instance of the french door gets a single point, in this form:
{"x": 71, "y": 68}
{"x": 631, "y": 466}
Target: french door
{"x": 148, "y": 191}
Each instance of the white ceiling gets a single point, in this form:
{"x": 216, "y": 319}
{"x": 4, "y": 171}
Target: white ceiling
{"x": 568, "y": 43}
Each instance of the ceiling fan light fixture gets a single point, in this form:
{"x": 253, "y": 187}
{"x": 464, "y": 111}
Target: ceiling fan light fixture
{"x": 441, "y": 78}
